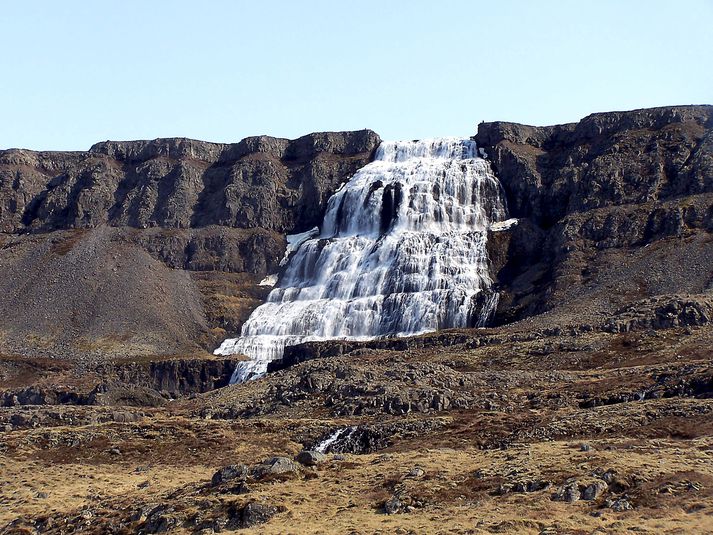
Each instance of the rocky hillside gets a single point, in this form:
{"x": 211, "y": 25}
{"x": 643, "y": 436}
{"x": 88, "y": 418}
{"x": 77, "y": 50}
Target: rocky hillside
{"x": 154, "y": 247}
{"x": 615, "y": 208}
{"x": 260, "y": 182}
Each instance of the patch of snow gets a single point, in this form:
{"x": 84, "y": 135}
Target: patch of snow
{"x": 503, "y": 225}
{"x": 270, "y": 280}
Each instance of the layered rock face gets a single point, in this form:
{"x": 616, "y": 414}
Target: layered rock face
{"x": 154, "y": 247}
{"x": 615, "y": 208}
{"x": 261, "y": 182}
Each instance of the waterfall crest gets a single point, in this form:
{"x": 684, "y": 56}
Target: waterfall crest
{"x": 401, "y": 251}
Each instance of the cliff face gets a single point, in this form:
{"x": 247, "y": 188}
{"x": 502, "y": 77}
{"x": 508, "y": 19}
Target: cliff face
{"x": 261, "y": 182}
{"x": 615, "y": 207}
{"x": 154, "y": 247}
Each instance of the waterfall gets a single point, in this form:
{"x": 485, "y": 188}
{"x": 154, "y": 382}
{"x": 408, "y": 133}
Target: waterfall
{"x": 401, "y": 251}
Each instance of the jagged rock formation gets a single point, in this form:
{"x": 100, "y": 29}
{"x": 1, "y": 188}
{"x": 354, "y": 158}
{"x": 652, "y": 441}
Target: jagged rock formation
{"x": 261, "y": 182}
{"x": 592, "y": 197}
{"x": 154, "y": 247}
{"x": 594, "y": 407}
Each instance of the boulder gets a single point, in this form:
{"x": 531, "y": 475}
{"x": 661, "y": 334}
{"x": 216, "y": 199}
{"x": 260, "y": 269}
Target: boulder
{"x": 392, "y": 505}
{"x": 416, "y": 472}
{"x": 250, "y": 515}
{"x": 594, "y": 490}
{"x": 310, "y": 457}
{"x": 620, "y": 505}
{"x": 229, "y": 473}
{"x": 569, "y": 492}
{"x": 275, "y": 466}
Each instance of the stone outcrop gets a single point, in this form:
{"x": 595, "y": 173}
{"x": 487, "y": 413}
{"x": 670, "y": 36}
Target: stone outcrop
{"x": 663, "y": 312}
{"x": 606, "y": 159}
{"x": 593, "y": 195}
{"x": 176, "y": 377}
{"x": 260, "y": 182}
{"x": 132, "y": 383}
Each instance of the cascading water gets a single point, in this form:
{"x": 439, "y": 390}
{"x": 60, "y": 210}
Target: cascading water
{"x": 401, "y": 251}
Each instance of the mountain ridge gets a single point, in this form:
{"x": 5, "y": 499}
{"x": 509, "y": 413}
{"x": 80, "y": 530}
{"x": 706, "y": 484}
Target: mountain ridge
{"x": 581, "y": 191}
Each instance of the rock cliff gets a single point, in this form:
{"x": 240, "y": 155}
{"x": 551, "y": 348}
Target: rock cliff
{"x": 154, "y": 247}
{"x": 615, "y": 208}
{"x": 261, "y": 182}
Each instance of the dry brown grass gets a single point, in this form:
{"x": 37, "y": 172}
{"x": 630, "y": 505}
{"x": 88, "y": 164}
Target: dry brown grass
{"x": 176, "y": 457}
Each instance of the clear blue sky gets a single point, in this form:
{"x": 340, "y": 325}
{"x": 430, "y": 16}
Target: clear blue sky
{"x": 77, "y": 72}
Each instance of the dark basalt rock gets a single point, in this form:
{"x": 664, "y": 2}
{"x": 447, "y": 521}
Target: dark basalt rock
{"x": 252, "y": 514}
{"x": 612, "y": 181}
{"x": 138, "y": 384}
{"x": 260, "y": 182}
{"x": 230, "y": 473}
{"x": 310, "y": 457}
{"x": 606, "y": 159}
{"x": 370, "y": 438}
{"x": 662, "y": 313}
{"x": 177, "y": 377}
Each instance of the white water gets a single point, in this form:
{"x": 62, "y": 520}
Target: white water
{"x": 401, "y": 251}
{"x": 323, "y": 446}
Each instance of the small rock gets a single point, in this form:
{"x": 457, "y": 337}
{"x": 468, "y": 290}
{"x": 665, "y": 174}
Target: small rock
{"x": 273, "y": 466}
{"x": 609, "y": 476}
{"x": 536, "y": 485}
{"x": 228, "y": 473}
{"x": 503, "y": 489}
{"x": 519, "y": 487}
{"x": 256, "y": 513}
{"x": 416, "y": 472}
{"x": 310, "y": 457}
{"x": 241, "y": 488}
{"x": 569, "y": 492}
{"x": 392, "y": 505}
{"x": 621, "y": 504}
{"x": 42, "y": 495}
{"x": 161, "y": 520}
{"x": 594, "y": 490}
{"x": 115, "y": 451}
{"x": 141, "y": 514}
{"x": 253, "y": 514}
{"x": 585, "y": 447}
